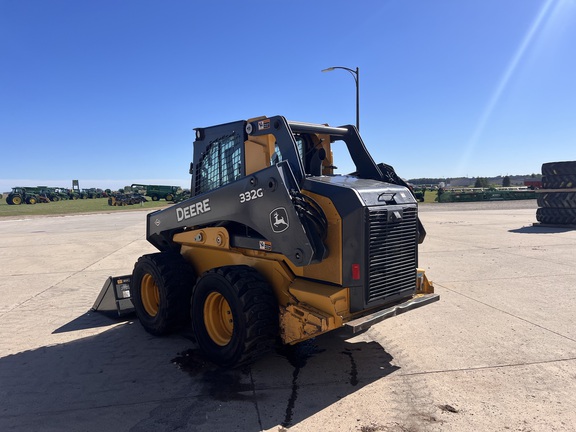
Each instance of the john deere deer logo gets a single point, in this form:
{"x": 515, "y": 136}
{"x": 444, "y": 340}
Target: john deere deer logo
{"x": 279, "y": 220}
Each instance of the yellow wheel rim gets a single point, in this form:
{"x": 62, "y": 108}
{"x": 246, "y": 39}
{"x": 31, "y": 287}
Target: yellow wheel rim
{"x": 218, "y": 319}
{"x": 17, "y": 200}
{"x": 150, "y": 295}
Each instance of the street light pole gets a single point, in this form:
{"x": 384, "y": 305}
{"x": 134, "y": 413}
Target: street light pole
{"x": 356, "y": 75}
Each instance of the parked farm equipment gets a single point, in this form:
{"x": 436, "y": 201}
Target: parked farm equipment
{"x": 20, "y": 195}
{"x": 126, "y": 199}
{"x": 485, "y": 194}
{"x": 157, "y": 192}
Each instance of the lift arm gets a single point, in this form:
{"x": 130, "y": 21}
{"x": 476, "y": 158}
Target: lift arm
{"x": 263, "y": 201}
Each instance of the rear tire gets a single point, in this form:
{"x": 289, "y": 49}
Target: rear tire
{"x": 161, "y": 288}
{"x": 234, "y": 315}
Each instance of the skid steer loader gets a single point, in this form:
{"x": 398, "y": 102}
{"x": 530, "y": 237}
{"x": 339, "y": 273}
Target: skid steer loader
{"x": 274, "y": 245}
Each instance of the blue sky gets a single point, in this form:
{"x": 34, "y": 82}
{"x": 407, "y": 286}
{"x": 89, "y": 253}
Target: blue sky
{"x": 108, "y": 92}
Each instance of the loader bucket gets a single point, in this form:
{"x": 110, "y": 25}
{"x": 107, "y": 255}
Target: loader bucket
{"x": 114, "y": 298}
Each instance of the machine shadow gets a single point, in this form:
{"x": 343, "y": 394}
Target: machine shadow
{"x": 161, "y": 384}
{"x": 544, "y": 229}
{"x": 93, "y": 319}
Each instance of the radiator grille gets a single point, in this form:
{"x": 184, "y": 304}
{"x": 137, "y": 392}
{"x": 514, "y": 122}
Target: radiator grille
{"x": 392, "y": 254}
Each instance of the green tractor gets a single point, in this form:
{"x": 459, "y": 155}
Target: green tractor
{"x": 94, "y": 193}
{"x": 184, "y": 194}
{"x": 21, "y": 195}
{"x": 48, "y": 193}
{"x": 61, "y": 194}
{"x": 75, "y": 194}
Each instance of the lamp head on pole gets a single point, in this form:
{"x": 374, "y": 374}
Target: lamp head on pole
{"x": 356, "y": 75}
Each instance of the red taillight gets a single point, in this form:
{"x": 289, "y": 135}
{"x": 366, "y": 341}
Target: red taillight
{"x": 356, "y": 271}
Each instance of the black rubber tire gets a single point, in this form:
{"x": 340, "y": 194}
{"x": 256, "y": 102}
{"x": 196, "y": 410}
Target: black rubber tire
{"x": 154, "y": 197}
{"x": 254, "y": 315}
{"x": 560, "y": 181}
{"x": 558, "y": 168}
{"x": 169, "y": 197}
{"x": 559, "y": 200}
{"x": 173, "y": 278}
{"x": 31, "y": 200}
{"x": 556, "y": 216}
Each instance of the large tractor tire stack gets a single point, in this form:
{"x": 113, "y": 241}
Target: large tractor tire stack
{"x": 557, "y": 198}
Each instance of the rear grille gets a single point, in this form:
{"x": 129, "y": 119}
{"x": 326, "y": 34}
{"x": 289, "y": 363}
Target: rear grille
{"x": 392, "y": 254}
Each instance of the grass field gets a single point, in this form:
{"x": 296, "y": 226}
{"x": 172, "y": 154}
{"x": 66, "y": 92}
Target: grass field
{"x": 98, "y": 205}
{"x": 430, "y": 197}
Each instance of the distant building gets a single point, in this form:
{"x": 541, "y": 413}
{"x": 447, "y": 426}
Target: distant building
{"x": 533, "y": 183}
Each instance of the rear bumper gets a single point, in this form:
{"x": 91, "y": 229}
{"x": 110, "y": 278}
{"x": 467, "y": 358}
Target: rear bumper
{"x": 365, "y": 322}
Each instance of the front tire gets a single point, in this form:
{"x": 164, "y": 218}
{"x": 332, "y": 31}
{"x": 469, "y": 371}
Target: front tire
{"x": 234, "y": 315}
{"x": 161, "y": 288}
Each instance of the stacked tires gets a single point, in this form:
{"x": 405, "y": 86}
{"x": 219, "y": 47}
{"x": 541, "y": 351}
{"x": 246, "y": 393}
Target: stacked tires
{"x": 557, "y": 199}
